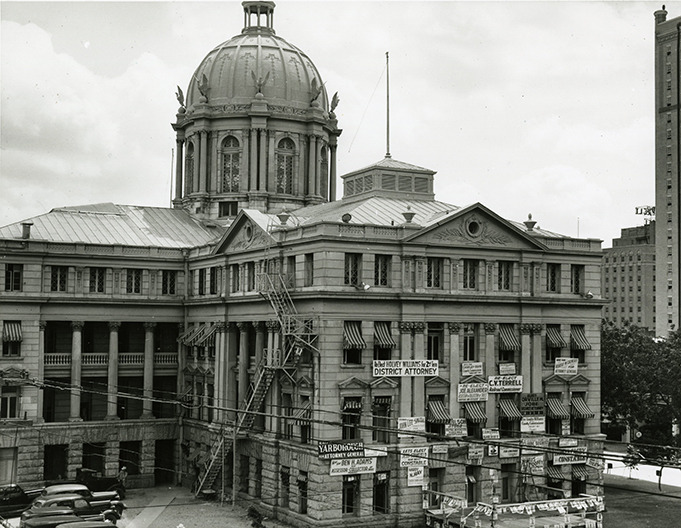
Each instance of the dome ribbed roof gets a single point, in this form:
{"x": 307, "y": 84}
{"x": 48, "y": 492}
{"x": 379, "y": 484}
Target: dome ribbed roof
{"x": 233, "y": 71}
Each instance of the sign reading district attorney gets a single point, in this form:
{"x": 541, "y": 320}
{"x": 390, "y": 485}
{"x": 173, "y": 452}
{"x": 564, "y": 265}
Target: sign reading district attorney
{"x": 405, "y": 367}
{"x": 340, "y": 449}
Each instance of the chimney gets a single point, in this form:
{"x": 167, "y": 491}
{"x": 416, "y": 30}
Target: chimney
{"x": 529, "y": 223}
{"x": 660, "y": 15}
{"x": 26, "y": 229}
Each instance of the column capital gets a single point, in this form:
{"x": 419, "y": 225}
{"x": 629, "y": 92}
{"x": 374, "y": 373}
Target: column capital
{"x": 221, "y": 326}
{"x": 77, "y": 326}
{"x": 258, "y": 325}
{"x": 272, "y": 325}
{"x": 242, "y": 326}
{"x": 419, "y": 327}
{"x": 536, "y": 328}
{"x": 405, "y": 327}
{"x": 454, "y": 327}
{"x": 114, "y": 326}
{"x": 42, "y": 325}
{"x": 490, "y": 328}
{"x": 149, "y": 327}
{"x": 526, "y": 328}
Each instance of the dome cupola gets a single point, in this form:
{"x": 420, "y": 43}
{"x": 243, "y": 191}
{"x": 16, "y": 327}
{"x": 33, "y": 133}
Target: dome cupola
{"x": 255, "y": 128}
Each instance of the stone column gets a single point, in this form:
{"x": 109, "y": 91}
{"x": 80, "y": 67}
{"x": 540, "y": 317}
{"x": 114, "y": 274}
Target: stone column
{"x": 243, "y": 362}
{"x": 76, "y": 369}
{"x": 537, "y": 359}
{"x": 112, "y": 372}
{"x": 178, "y": 169}
{"x": 180, "y": 387}
{"x": 39, "y": 418}
{"x": 203, "y": 161}
{"x": 148, "y": 370}
{"x": 230, "y": 374}
{"x": 332, "y": 176}
{"x": 253, "y": 169}
{"x": 219, "y": 376}
{"x": 454, "y": 368}
{"x": 272, "y": 329}
{"x": 262, "y": 164}
{"x": 259, "y": 341}
{"x": 272, "y": 163}
{"x": 490, "y": 370}
{"x": 244, "y": 169}
{"x": 419, "y": 382}
{"x": 311, "y": 166}
{"x": 405, "y": 408}
{"x": 526, "y": 356}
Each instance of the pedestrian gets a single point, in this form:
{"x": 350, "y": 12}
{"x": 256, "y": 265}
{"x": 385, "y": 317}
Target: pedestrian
{"x": 123, "y": 476}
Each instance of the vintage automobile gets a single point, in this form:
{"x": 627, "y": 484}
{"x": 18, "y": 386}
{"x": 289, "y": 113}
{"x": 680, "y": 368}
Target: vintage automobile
{"x": 86, "y": 524}
{"x": 96, "y": 482}
{"x": 84, "y": 507}
{"x": 79, "y": 489}
{"x": 14, "y": 500}
{"x": 51, "y": 521}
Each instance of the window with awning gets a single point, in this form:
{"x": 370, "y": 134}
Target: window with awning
{"x": 556, "y": 409}
{"x": 11, "y": 331}
{"x": 555, "y": 473}
{"x": 191, "y": 334}
{"x": 437, "y": 412}
{"x": 508, "y": 409}
{"x": 554, "y": 338}
{"x": 207, "y": 337}
{"x": 508, "y": 340}
{"x": 303, "y": 415}
{"x": 382, "y": 336}
{"x": 580, "y": 409}
{"x": 382, "y": 401}
{"x": 474, "y": 412}
{"x": 578, "y": 340}
{"x": 579, "y": 472}
{"x": 352, "y": 335}
{"x": 352, "y": 404}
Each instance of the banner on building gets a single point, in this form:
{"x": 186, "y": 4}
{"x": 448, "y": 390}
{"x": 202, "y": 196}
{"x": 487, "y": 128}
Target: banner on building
{"x": 352, "y": 466}
{"x": 328, "y": 450}
{"x": 469, "y": 392}
{"x": 406, "y": 425}
{"x": 413, "y": 456}
{"x": 405, "y": 367}
{"x": 505, "y": 384}
{"x": 375, "y": 452}
{"x": 534, "y": 445}
{"x": 471, "y": 368}
{"x": 506, "y": 369}
{"x": 532, "y": 404}
{"x": 490, "y": 433}
{"x": 416, "y": 476}
{"x": 456, "y": 427}
{"x": 565, "y": 366}
{"x": 532, "y": 424}
{"x": 508, "y": 452}
{"x": 476, "y": 451}
{"x": 532, "y": 465}
{"x": 575, "y": 455}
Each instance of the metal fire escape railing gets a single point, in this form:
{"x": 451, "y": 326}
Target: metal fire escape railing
{"x": 298, "y": 335}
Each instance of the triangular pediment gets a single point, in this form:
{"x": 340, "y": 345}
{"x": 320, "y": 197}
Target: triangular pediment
{"x": 475, "y": 226}
{"x": 473, "y": 379}
{"x": 352, "y": 383}
{"x": 555, "y": 379}
{"x": 437, "y": 382}
{"x": 249, "y": 231}
{"x": 305, "y": 382}
{"x": 14, "y": 376}
{"x": 579, "y": 379}
{"x": 383, "y": 383}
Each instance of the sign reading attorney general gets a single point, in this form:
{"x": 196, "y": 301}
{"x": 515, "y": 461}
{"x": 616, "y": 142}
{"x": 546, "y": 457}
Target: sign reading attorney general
{"x": 505, "y": 383}
{"x": 340, "y": 449}
{"x": 405, "y": 367}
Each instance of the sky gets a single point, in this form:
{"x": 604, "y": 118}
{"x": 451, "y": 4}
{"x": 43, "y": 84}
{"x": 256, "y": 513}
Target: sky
{"x": 541, "y": 107}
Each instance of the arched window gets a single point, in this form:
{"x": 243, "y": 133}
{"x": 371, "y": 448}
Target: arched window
{"x": 189, "y": 168}
{"x": 231, "y": 160}
{"x": 285, "y": 152}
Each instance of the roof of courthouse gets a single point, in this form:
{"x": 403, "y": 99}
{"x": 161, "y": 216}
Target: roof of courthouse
{"x": 112, "y": 224}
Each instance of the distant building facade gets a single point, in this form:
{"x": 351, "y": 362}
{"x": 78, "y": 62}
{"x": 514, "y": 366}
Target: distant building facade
{"x": 667, "y": 167}
{"x": 628, "y": 277}
{"x": 335, "y": 361}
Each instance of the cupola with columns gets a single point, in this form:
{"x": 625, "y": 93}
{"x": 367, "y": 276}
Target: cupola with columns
{"x": 256, "y": 128}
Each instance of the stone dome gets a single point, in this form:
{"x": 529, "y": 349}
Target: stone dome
{"x": 255, "y": 61}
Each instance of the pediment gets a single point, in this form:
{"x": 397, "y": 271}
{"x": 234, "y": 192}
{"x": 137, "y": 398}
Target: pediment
{"x": 555, "y": 379}
{"x": 476, "y": 226}
{"x": 14, "y": 376}
{"x": 473, "y": 379}
{"x": 383, "y": 383}
{"x": 305, "y": 382}
{"x": 247, "y": 232}
{"x": 352, "y": 383}
{"x": 436, "y": 382}
{"x": 579, "y": 379}
{"x": 285, "y": 381}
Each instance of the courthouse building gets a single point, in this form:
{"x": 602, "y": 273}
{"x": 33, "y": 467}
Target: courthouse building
{"x": 331, "y": 361}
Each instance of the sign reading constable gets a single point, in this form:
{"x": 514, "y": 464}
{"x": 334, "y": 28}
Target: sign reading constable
{"x": 405, "y": 367}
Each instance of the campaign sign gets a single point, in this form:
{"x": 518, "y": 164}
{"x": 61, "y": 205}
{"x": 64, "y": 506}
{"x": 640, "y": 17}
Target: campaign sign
{"x": 469, "y": 392}
{"x": 413, "y": 456}
{"x": 471, "y": 368}
{"x": 352, "y": 466}
{"x": 457, "y": 427}
{"x": 566, "y": 366}
{"x": 340, "y": 449}
{"x": 499, "y": 384}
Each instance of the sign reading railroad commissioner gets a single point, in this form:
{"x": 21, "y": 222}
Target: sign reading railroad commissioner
{"x": 403, "y": 368}
{"x": 505, "y": 383}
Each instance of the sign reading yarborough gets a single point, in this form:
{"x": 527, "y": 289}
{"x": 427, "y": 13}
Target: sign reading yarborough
{"x": 340, "y": 449}
{"x": 405, "y": 367}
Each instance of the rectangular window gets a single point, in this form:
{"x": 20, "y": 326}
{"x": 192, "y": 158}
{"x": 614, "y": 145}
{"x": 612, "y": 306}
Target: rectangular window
{"x": 9, "y": 402}
{"x": 380, "y": 412}
{"x": 309, "y": 269}
{"x": 244, "y": 472}
{"x": 213, "y": 280}
{"x": 434, "y": 267}
{"x": 250, "y": 276}
{"x": 353, "y": 343}
{"x": 11, "y": 339}
{"x": 14, "y": 277}
{"x": 552, "y": 277}
{"x": 58, "y": 277}
{"x": 202, "y": 281}
{"x": 234, "y": 273}
{"x": 168, "y": 282}
{"x": 350, "y": 417}
{"x": 470, "y": 274}
{"x": 133, "y": 280}
{"x": 382, "y": 270}
{"x": 435, "y": 419}
{"x": 350, "y": 500}
{"x": 381, "y": 502}
{"x": 353, "y": 263}
{"x": 577, "y": 278}
{"x": 435, "y": 340}
{"x": 504, "y": 275}
{"x": 97, "y": 280}
{"x": 302, "y": 492}
{"x": 469, "y": 343}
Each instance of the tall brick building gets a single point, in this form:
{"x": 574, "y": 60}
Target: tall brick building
{"x": 336, "y": 361}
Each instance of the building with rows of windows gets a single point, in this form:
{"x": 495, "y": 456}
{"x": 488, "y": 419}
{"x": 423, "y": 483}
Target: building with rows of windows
{"x": 333, "y": 361}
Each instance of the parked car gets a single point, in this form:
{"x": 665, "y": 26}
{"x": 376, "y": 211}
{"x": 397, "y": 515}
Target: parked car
{"x": 14, "y": 500}
{"x": 84, "y": 507}
{"x": 96, "y": 482}
{"x": 86, "y": 524}
{"x": 51, "y": 521}
{"x": 79, "y": 489}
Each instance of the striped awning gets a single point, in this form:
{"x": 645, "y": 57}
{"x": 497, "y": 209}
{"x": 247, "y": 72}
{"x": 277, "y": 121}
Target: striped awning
{"x": 507, "y": 338}
{"x": 187, "y": 337}
{"x": 474, "y": 412}
{"x": 556, "y": 409}
{"x": 354, "y": 404}
{"x": 207, "y": 337}
{"x": 382, "y": 401}
{"x": 304, "y": 414}
{"x": 11, "y": 331}
{"x": 352, "y": 335}
{"x": 554, "y": 473}
{"x": 554, "y": 338}
{"x": 579, "y": 472}
{"x": 578, "y": 340}
{"x": 437, "y": 412}
{"x": 508, "y": 409}
{"x": 382, "y": 336}
{"x": 580, "y": 409}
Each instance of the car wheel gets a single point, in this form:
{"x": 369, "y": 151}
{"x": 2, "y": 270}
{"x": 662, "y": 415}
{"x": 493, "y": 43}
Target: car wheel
{"x": 110, "y": 517}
